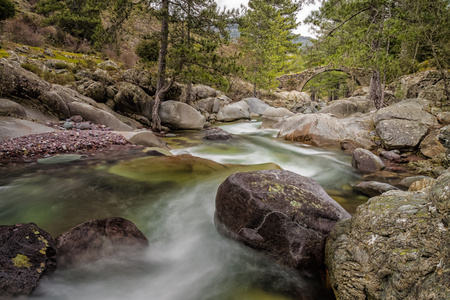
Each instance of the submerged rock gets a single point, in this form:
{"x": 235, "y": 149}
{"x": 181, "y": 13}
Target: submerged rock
{"x": 396, "y": 246}
{"x": 96, "y": 239}
{"x": 215, "y": 134}
{"x": 26, "y": 254}
{"x": 280, "y": 213}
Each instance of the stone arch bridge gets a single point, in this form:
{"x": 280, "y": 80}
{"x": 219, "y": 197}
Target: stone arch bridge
{"x": 298, "y": 81}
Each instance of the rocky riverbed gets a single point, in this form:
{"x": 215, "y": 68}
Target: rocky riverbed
{"x": 32, "y": 147}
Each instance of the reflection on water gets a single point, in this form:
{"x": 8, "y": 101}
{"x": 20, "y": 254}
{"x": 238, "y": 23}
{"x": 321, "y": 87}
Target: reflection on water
{"x": 187, "y": 258}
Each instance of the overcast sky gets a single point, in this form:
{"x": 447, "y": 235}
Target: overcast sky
{"x": 302, "y": 29}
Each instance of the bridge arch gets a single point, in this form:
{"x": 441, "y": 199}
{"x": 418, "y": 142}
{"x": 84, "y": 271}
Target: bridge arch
{"x": 299, "y": 80}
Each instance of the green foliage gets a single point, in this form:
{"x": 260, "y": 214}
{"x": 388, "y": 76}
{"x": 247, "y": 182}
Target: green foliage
{"x": 384, "y": 35}
{"x": 330, "y": 85}
{"x": 148, "y": 50}
{"x": 267, "y": 39}
{"x": 83, "y": 18}
{"x": 32, "y": 68}
{"x": 7, "y": 9}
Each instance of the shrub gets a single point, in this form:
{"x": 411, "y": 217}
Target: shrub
{"x": 148, "y": 50}
{"x": 22, "y": 32}
{"x": 32, "y": 68}
{"x": 7, "y": 9}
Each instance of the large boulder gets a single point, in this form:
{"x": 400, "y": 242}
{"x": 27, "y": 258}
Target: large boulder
{"x": 234, "y": 111}
{"x": 280, "y": 213}
{"x": 324, "y": 130}
{"x": 144, "y": 138}
{"x": 11, "y": 128}
{"x": 178, "y": 115}
{"x": 365, "y": 161}
{"x": 10, "y": 108}
{"x": 347, "y": 107}
{"x": 131, "y": 100}
{"x": 210, "y": 105}
{"x": 93, "y": 89}
{"x": 96, "y": 239}
{"x": 26, "y": 254}
{"x": 428, "y": 85}
{"x": 404, "y": 124}
{"x": 31, "y": 91}
{"x": 444, "y": 136}
{"x": 97, "y": 116}
{"x": 293, "y": 100}
{"x": 139, "y": 77}
{"x": 430, "y": 146}
{"x": 394, "y": 247}
{"x": 256, "y": 105}
{"x": 272, "y": 116}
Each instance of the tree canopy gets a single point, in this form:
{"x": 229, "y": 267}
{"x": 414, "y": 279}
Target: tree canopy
{"x": 391, "y": 37}
{"x": 267, "y": 39}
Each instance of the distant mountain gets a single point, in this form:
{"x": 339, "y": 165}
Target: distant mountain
{"x": 233, "y": 30}
{"x": 305, "y": 40}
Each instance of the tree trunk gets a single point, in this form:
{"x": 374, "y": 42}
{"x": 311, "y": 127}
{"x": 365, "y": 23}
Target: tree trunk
{"x": 375, "y": 93}
{"x": 160, "y": 84}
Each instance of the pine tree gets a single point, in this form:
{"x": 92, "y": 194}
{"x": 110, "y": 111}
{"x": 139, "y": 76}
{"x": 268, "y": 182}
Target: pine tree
{"x": 267, "y": 39}
{"x": 192, "y": 32}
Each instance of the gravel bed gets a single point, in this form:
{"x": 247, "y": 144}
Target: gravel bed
{"x": 46, "y": 144}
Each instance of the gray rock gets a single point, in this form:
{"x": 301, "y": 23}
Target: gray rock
{"x": 11, "y": 128}
{"x": 365, "y": 161}
{"x": 256, "y": 105}
{"x": 430, "y": 146}
{"x": 97, "y": 116}
{"x": 282, "y": 214}
{"x": 109, "y": 64}
{"x": 68, "y": 125}
{"x": 139, "y": 77}
{"x": 10, "y": 108}
{"x": 324, "y": 130}
{"x": 234, "y": 111}
{"x": 373, "y": 188}
{"x": 390, "y": 155}
{"x": 347, "y": 107}
{"x": 394, "y": 247}
{"x": 131, "y": 100}
{"x": 210, "y": 105}
{"x": 215, "y": 134}
{"x": 401, "y": 134}
{"x": 93, "y": 89}
{"x": 444, "y": 136}
{"x": 443, "y": 117}
{"x": 178, "y": 115}
{"x": 272, "y": 116}
{"x": 59, "y": 159}
{"x": 144, "y": 138}
{"x": 26, "y": 254}
{"x": 200, "y": 91}
{"x": 410, "y": 110}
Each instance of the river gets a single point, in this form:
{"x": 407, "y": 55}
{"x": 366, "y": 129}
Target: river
{"x": 187, "y": 259}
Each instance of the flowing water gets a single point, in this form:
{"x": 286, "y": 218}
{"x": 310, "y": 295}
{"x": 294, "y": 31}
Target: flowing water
{"x": 187, "y": 258}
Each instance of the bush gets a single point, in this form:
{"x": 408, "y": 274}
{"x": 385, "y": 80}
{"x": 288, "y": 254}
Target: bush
{"x": 32, "y": 68}
{"x": 22, "y": 32}
{"x": 148, "y": 50}
{"x": 7, "y": 9}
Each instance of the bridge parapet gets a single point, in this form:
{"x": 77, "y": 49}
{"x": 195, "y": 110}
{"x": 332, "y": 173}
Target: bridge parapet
{"x": 298, "y": 81}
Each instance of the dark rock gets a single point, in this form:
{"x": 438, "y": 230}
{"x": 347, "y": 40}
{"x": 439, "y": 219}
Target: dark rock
{"x": 216, "y": 133}
{"x": 280, "y": 213}
{"x": 444, "y": 136}
{"x": 96, "y": 239}
{"x": 10, "y": 108}
{"x": 373, "y": 188}
{"x": 132, "y": 100}
{"x": 26, "y": 254}
{"x": 396, "y": 246}
{"x": 365, "y": 161}
{"x": 430, "y": 146}
{"x": 76, "y": 118}
{"x": 390, "y": 155}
